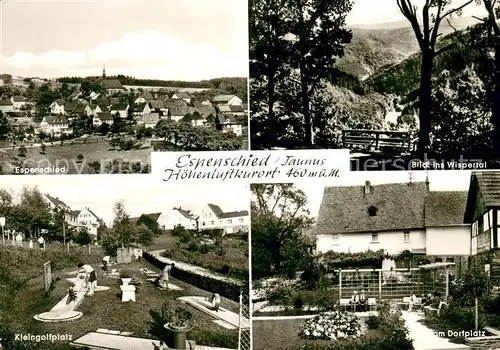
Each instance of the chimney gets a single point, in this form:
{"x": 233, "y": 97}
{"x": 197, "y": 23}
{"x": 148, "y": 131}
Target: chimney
{"x": 367, "y": 187}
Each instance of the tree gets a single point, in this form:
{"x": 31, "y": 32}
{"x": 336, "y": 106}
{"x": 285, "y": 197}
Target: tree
{"x": 43, "y": 148}
{"x": 104, "y": 129}
{"x": 31, "y": 214}
{"x": 5, "y": 128}
{"x": 150, "y": 223}
{"x": 279, "y": 218}
{"x": 144, "y": 235}
{"x": 122, "y": 227}
{"x": 427, "y": 34}
{"x": 82, "y": 236}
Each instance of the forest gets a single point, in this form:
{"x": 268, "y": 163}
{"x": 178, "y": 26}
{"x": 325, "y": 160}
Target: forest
{"x": 313, "y": 76}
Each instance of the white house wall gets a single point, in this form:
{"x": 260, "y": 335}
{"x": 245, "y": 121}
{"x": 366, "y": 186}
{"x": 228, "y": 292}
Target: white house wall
{"x": 175, "y": 218}
{"x": 450, "y": 240}
{"x": 392, "y": 241}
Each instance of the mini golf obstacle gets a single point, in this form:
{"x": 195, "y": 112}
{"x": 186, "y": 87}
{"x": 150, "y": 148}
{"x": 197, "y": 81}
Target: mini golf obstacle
{"x": 219, "y": 313}
{"x": 65, "y": 309}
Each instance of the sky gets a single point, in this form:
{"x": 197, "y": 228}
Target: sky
{"x": 439, "y": 181}
{"x": 141, "y": 194}
{"x": 158, "y": 39}
{"x": 382, "y": 11}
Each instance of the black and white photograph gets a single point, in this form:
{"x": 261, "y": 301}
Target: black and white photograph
{"x": 94, "y": 86}
{"x": 379, "y": 260}
{"x": 393, "y": 81}
{"x": 117, "y": 262}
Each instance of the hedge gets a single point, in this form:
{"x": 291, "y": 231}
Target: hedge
{"x": 224, "y": 288}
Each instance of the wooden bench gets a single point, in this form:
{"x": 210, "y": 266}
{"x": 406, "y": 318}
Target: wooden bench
{"x": 345, "y": 304}
{"x": 430, "y": 310}
{"x": 376, "y": 139}
{"x": 405, "y": 304}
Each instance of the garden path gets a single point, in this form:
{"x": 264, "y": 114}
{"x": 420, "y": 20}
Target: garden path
{"x": 425, "y": 338}
{"x": 192, "y": 268}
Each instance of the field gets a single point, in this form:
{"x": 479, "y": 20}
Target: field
{"x": 66, "y": 155}
{"x": 104, "y": 309}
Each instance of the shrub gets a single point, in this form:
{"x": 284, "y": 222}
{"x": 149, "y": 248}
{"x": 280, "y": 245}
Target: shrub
{"x": 298, "y": 303}
{"x": 332, "y": 325}
{"x": 223, "y": 287}
{"x": 373, "y": 322}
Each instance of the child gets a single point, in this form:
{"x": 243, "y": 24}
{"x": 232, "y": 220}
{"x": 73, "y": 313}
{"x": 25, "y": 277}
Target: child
{"x": 90, "y": 277}
{"x": 166, "y": 273}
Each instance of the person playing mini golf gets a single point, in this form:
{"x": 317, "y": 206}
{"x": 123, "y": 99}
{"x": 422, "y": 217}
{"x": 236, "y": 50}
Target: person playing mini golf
{"x": 90, "y": 277}
{"x": 166, "y": 273}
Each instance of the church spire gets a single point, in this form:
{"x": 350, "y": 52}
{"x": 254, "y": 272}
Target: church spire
{"x": 104, "y": 71}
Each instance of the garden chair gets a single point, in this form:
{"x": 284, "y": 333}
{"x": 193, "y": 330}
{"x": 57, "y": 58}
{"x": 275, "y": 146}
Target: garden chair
{"x": 372, "y": 304}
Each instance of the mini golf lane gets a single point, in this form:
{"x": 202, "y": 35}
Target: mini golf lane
{"x": 64, "y": 311}
{"x": 223, "y": 314}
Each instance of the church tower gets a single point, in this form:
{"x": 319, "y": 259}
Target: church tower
{"x": 104, "y": 72}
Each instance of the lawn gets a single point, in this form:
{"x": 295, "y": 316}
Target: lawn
{"x": 105, "y": 309}
{"x": 233, "y": 263}
{"x": 66, "y": 155}
{"x": 283, "y": 335}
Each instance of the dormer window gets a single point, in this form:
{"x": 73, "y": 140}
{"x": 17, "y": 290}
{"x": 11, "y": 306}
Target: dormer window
{"x": 372, "y": 211}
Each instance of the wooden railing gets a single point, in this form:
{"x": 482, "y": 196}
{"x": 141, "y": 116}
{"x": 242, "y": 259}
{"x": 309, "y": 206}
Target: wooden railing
{"x": 376, "y": 139}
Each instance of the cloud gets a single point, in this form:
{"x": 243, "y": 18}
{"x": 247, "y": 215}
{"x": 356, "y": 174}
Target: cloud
{"x": 146, "y": 54}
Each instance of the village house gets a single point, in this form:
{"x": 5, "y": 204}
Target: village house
{"x": 55, "y": 125}
{"x": 146, "y": 96}
{"x": 141, "y": 109}
{"x": 482, "y": 212}
{"x": 6, "y": 106}
{"x": 57, "y": 107}
{"x": 213, "y": 217}
{"x": 184, "y": 96}
{"x": 158, "y": 106}
{"x": 18, "y": 102}
{"x": 177, "y": 113}
{"x": 94, "y": 95}
{"x": 393, "y": 217}
{"x": 179, "y": 216}
{"x": 74, "y": 95}
{"x": 120, "y": 109}
{"x": 82, "y": 109}
{"x": 227, "y": 100}
{"x": 84, "y": 218}
{"x": 197, "y": 119}
{"x": 96, "y": 109}
{"x": 149, "y": 120}
{"x": 101, "y": 118}
{"x": 237, "y": 110}
{"x": 228, "y": 123}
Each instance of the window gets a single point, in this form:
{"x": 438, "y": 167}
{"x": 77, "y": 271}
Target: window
{"x": 451, "y": 260}
{"x": 374, "y": 237}
{"x": 372, "y": 211}
{"x": 241, "y": 220}
{"x": 438, "y": 260}
{"x": 212, "y": 222}
{"x": 335, "y": 237}
{"x": 406, "y": 236}
{"x": 229, "y": 221}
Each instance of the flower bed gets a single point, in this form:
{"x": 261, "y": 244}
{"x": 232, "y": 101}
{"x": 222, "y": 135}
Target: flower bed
{"x": 334, "y": 325}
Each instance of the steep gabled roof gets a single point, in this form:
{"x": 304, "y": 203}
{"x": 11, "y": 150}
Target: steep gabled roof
{"x": 234, "y": 214}
{"x": 348, "y": 209}
{"x": 182, "y": 95}
{"x": 56, "y": 201}
{"x": 105, "y": 116}
{"x": 186, "y": 213}
{"x": 18, "y": 99}
{"x": 484, "y": 192}
{"x": 223, "y": 98}
{"x": 56, "y": 119}
{"x": 443, "y": 208}
{"x": 5, "y": 103}
{"x": 154, "y": 216}
{"x": 112, "y": 84}
{"x": 119, "y": 107}
{"x": 216, "y": 209}
{"x": 150, "y": 118}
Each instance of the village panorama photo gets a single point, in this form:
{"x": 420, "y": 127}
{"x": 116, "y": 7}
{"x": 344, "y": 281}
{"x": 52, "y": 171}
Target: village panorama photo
{"x": 122, "y": 78}
{"x": 394, "y": 260}
{"x": 116, "y": 262}
{"x": 393, "y": 81}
